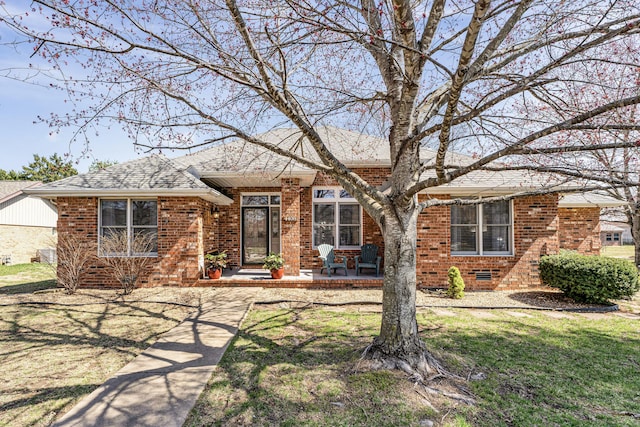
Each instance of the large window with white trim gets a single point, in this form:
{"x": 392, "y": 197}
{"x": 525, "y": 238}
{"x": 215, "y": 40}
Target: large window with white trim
{"x": 482, "y": 229}
{"x": 135, "y": 221}
{"x": 337, "y": 218}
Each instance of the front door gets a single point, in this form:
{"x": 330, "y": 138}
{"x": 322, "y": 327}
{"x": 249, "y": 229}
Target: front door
{"x": 255, "y": 234}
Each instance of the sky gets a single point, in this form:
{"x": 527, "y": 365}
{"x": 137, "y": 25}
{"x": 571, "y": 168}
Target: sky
{"x": 21, "y": 133}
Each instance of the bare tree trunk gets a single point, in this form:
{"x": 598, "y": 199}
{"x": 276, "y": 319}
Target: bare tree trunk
{"x": 635, "y": 231}
{"x": 399, "y": 344}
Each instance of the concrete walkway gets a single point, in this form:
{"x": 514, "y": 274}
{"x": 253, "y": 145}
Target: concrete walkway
{"x": 161, "y": 385}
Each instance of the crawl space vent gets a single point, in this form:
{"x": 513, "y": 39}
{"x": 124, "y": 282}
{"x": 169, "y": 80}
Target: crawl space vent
{"x": 483, "y": 275}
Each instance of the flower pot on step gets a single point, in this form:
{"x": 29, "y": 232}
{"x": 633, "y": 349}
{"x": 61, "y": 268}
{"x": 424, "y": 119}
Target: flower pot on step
{"x": 277, "y": 273}
{"x": 214, "y": 273}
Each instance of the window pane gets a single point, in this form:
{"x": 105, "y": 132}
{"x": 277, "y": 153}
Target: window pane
{"x": 113, "y": 212}
{"x": 275, "y": 200}
{"x": 114, "y": 241}
{"x": 463, "y": 239}
{"x": 275, "y": 230}
{"x": 145, "y": 240}
{"x": 349, "y": 214}
{"x": 350, "y": 235}
{"x": 144, "y": 212}
{"x": 324, "y": 214}
{"x": 495, "y": 213}
{"x": 464, "y": 214}
{"x": 323, "y": 234}
{"x": 112, "y": 231}
{"x": 496, "y": 239}
{"x": 324, "y": 194}
{"x": 345, "y": 195}
{"x": 255, "y": 200}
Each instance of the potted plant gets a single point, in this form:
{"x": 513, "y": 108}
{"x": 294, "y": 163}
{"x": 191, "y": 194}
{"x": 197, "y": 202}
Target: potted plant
{"x": 216, "y": 261}
{"x": 275, "y": 264}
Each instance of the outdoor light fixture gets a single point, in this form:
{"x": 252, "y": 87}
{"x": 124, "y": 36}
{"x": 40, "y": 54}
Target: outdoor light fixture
{"x": 215, "y": 212}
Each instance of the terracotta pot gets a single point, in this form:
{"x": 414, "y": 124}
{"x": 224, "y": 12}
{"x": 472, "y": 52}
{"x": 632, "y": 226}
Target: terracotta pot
{"x": 214, "y": 274}
{"x": 277, "y": 274}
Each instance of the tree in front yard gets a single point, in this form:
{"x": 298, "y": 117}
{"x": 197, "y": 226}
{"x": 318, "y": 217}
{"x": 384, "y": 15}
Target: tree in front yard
{"x": 469, "y": 76}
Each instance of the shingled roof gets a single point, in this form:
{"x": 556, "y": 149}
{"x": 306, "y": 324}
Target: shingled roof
{"x": 11, "y": 189}
{"x": 151, "y": 176}
{"x": 241, "y": 164}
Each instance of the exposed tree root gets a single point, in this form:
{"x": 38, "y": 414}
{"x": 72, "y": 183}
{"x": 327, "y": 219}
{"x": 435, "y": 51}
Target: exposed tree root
{"x": 424, "y": 370}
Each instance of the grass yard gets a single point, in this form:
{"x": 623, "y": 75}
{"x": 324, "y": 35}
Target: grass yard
{"x": 21, "y": 278}
{"x": 626, "y": 251}
{"x": 57, "y": 348}
{"x": 300, "y": 367}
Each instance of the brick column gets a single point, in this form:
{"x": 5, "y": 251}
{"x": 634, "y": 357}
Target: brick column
{"x": 290, "y": 233}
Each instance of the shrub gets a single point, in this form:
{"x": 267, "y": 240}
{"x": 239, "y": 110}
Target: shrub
{"x": 127, "y": 269}
{"x": 74, "y": 255}
{"x": 456, "y": 284}
{"x": 590, "y": 279}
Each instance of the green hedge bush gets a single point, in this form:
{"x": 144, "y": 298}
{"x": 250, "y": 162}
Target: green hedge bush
{"x": 590, "y": 279}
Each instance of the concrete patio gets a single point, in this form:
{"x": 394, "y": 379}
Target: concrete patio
{"x": 306, "y": 279}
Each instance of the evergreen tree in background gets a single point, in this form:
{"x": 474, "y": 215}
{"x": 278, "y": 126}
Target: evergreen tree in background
{"x": 42, "y": 169}
{"x": 99, "y": 165}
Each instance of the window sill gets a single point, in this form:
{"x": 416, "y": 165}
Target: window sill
{"x": 510, "y": 255}
{"x": 153, "y": 255}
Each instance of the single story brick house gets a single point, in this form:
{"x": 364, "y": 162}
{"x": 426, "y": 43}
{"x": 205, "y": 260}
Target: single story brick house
{"x": 248, "y": 202}
{"x": 615, "y": 233}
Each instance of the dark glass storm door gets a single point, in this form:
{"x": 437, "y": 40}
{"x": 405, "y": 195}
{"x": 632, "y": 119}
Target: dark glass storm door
{"x": 255, "y": 234}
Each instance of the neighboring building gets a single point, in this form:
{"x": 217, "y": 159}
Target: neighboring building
{"x": 27, "y": 223}
{"x": 615, "y": 233}
{"x": 249, "y": 202}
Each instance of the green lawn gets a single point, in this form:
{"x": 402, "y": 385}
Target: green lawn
{"x": 26, "y": 278}
{"x": 301, "y": 368}
{"x": 626, "y": 251}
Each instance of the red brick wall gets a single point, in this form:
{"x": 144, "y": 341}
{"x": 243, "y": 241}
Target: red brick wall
{"x": 180, "y": 239}
{"x": 535, "y": 231}
{"x": 187, "y": 229}
{"x": 580, "y": 230}
{"x": 290, "y": 229}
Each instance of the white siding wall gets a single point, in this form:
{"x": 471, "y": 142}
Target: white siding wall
{"x": 28, "y": 211}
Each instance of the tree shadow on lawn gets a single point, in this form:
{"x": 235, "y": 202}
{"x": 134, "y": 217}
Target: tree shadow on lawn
{"x": 271, "y": 371}
{"x": 292, "y": 368}
{"x": 567, "y": 373}
{"x": 28, "y": 288}
{"x": 63, "y": 338}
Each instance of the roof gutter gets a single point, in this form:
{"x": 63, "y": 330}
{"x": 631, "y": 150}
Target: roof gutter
{"x": 209, "y": 195}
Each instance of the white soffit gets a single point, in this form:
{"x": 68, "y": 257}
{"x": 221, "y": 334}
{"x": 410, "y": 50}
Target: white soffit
{"x": 236, "y": 180}
{"x": 589, "y": 200}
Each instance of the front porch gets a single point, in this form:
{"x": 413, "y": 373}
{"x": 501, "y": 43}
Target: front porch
{"x": 306, "y": 279}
